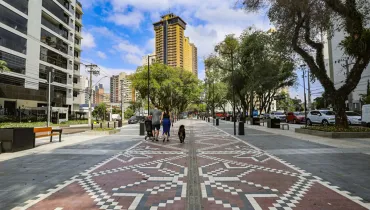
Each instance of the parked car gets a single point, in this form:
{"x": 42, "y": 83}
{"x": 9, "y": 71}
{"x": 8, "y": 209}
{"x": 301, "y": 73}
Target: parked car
{"x": 265, "y": 116}
{"x": 295, "y": 117}
{"x": 278, "y": 115}
{"x": 353, "y": 118}
{"x": 324, "y": 117}
{"x": 136, "y": 119}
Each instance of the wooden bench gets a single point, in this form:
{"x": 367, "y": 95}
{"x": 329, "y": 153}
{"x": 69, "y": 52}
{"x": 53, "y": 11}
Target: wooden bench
{"x": 283, "y": 125}
{"x": 48, "y": 131}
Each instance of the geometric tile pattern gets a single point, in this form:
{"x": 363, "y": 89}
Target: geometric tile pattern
{"x": 233, "y": 175}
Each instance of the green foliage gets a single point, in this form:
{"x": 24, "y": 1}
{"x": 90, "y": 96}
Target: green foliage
{"x": 100, "y": 111}
{"x": 170, "y": 88}
{"x": 365, "y": 98}
{"x": 337, "y": 129}
{"x": 3, "y": 66}
{"x": 116, "y": 111}
{"x": 129, "y": 113}
{"x": 135, "y": 106}
{"x": 286, "y": 103}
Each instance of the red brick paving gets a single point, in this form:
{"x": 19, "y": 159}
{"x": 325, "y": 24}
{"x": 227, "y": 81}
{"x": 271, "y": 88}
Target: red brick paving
{"x": 244, "y": 178}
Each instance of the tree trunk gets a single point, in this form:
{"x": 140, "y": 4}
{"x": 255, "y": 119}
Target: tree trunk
{"x": 340, "y": 108}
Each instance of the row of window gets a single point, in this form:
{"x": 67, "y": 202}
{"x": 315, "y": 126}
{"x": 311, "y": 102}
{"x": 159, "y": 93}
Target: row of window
{"x": 56, "y": 10}
{"x": 14, "y": 63}
{"x": 13, "y": 20}
{"x": 21, "y": 5}
{"x": 57, "y": 28}
{"x": 13, "y": 41}
{"x": 53, "y": 57}
{"x": 53, "y": 41}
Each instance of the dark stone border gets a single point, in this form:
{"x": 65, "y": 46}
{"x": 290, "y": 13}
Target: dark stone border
{"x": 334, "y": 135}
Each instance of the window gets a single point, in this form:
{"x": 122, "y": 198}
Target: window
{"x": 75, "y": 67}
{"x": 57, "y": 28}
{"x": 328, "y": 112}
{"x": 56, "y": 10}
{"x": 21, "y": 5}
{"x": 352, "y": 114}
{"x": 53, "y": 58}
{"x": 13, "y": 41}
{"x": 78, "y": 16}
{"x": 77, "y": 41}
{"x": 53, "y": 41}
{"x": 76, "y": 54}
{"x": 14, "y": 63}
{"x": 13, "y": 20}
{"x": 77, "y": 28}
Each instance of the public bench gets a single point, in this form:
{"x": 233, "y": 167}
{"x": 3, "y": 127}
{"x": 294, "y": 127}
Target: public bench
{"x": 48, "y": 131}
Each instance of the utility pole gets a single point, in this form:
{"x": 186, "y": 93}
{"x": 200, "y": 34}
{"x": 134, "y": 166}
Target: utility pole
{"x": 213, "y": 106}
{"x": 309, "y": 91}
{"x": 232, "y": 75}
{"x": 50, "y": 76}
{"x": 92, "y": 69}
{"x": 350, "y": 97}
{"x": 304, "y": 90}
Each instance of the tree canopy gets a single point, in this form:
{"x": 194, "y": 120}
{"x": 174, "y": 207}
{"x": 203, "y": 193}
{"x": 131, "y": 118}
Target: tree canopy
{"x": 170, "y": 88}
{"x": 303, "y": 25}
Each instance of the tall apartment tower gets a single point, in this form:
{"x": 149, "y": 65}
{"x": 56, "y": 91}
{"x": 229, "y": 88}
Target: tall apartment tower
{"x": 120, "y": 86}
{"x": 194, "y": 59}
{"x": 169, "y": 40}
{"x": 36, "y": 36}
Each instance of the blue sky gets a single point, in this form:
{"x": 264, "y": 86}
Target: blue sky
{"x": 117, "y": 33}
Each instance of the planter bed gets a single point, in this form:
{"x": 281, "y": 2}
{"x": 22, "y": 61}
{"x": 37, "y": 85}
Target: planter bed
{"x": 334, "y": 135}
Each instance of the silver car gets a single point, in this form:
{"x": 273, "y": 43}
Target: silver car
{"x": 278, "y": 115}
{"x": 353, "y": 118}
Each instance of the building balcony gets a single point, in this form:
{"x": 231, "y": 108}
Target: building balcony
{"x": 78, "y": 47}
{"x": 78, "y": 21}
{"x": 77, "y": 59}
{"x": 78, "y": 34}
{"x": 77, "y": 86}
{"x": 79, "y": 7}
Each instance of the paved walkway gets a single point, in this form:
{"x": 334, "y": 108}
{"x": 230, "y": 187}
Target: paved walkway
{"x": 212, "y": 170}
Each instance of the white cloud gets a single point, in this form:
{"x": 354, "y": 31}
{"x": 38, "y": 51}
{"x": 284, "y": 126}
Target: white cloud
{"x": 131, "y": 19}
{"x": 101, "y": 55}
{"x": 127, "y": 47}
{"x": 133, "y": 59}
{"x": 88, "y": 41}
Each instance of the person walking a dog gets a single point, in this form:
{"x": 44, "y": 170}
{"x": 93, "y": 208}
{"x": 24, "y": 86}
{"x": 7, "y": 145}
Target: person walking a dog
{"x": 166, "y": 122}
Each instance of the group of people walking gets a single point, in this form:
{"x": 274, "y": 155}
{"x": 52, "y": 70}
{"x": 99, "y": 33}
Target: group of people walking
{"x": 161, "y": 118}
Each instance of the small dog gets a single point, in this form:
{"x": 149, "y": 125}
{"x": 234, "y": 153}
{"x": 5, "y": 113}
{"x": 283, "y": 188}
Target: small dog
{"x": 182, "y": 133}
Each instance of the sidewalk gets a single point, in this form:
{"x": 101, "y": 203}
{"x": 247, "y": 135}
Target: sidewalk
{"x": 212, "y": 170}
{"x": 341, "y": 143}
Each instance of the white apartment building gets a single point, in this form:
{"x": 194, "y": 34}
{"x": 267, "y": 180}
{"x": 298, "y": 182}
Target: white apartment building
{"x": 151, "y": 59}
{"x": 37, "y": 35}
{"x": 337, "y": 70}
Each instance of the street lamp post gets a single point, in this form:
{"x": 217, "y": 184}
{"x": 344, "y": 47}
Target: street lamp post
{"x": 304, "y": 90}
{"x": 149, "y": 81}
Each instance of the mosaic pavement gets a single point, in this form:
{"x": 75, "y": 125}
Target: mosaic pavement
{"x": 227, "y": 172}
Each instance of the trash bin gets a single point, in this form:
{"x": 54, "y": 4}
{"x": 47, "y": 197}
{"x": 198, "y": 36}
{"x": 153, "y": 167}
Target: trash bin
{"x": 241, "y": 128}
{"x": 142, "y": 129}
{"x": 217, "y": 122}
{"x": 120, "y": 123}
{"x": 209, "y": 119}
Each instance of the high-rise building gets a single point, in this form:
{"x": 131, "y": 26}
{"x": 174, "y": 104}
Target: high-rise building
{"x": 194, "y": 59}
{"x": 116, "y": 87}
{"x": 106, "y": 97}
{"x": 150, "y": 57}
{"x": 99, "y": 92}
{"x": 172, "y": 47}
{"x": 169, "y": 40}
{"x": 37, "y": 36}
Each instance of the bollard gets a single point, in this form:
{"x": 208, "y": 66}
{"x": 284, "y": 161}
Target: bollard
{"x": 142, "y": 129}
{"x": 92, "y": 126}
{"x": 241, "y": 128}
{"x": 209, "y": 119}
{"x": 114, "y": 124}
{"x": 108, "y": 124}
{"x": 217, "y": 122}
{"x": 101, "y": 125}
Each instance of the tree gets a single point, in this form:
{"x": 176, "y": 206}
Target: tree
{"x": 170, "y": 88}
{"x": 298, "y": 106}
{"x": 129, "y": 113}
{"x": 99, "y": 111}
{"x": 301, "y": 26}
{"x": 135, "y": 106}
{"x": 285, "y": 103}
{"x": 3, "y": 66}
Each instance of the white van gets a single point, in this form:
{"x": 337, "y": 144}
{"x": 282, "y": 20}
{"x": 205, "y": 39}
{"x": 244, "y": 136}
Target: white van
{"x": 365, "y": 118}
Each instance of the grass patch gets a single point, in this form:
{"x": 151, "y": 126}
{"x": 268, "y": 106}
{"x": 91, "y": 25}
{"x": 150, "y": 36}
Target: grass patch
{"x": 337, "y": 129}
{"x": 39, "y": 124}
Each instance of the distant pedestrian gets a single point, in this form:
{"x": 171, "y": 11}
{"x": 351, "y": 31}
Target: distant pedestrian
{"x": 166, "y": 121}
{"x": 156, "y": 123}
